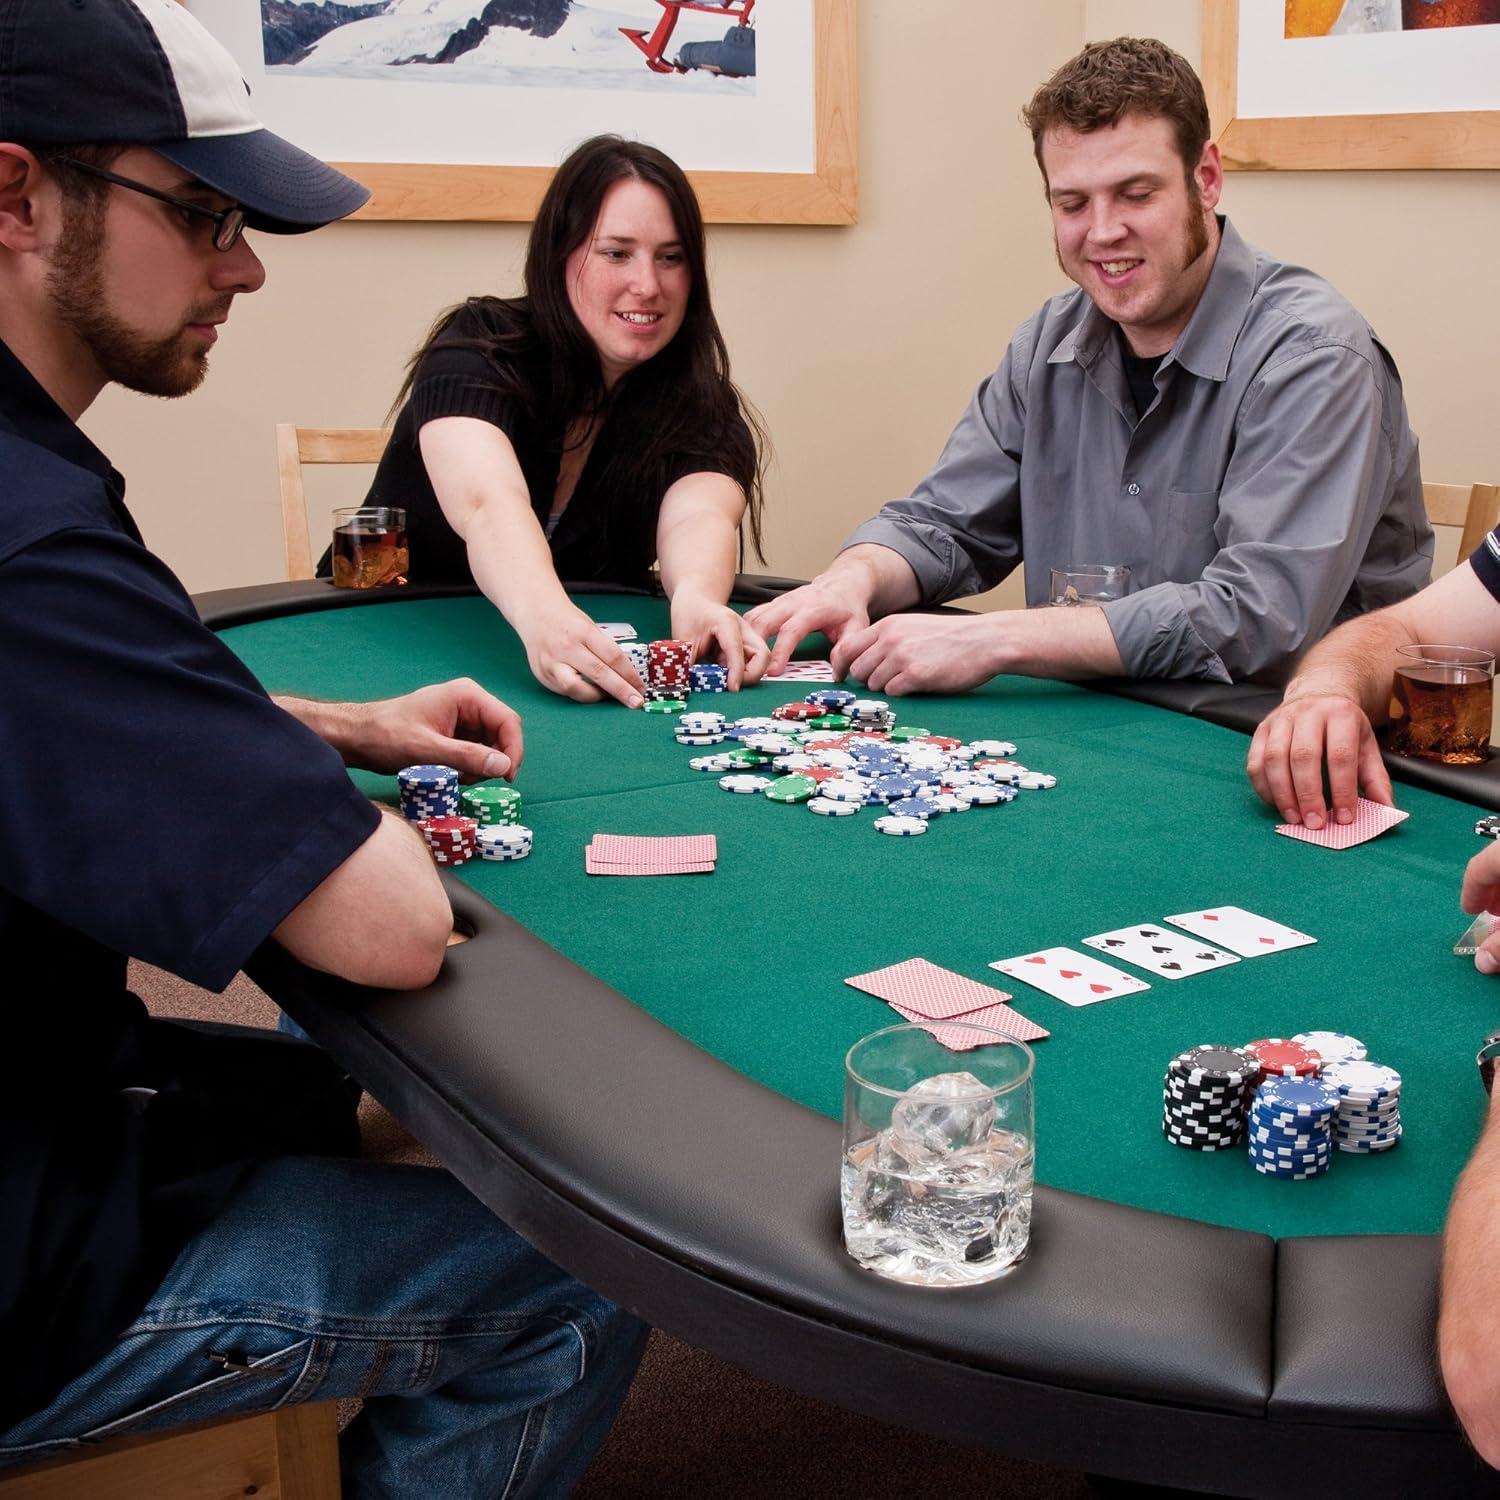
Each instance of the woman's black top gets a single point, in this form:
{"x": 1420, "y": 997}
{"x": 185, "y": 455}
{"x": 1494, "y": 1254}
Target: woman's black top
{"x": 465, "y": 381}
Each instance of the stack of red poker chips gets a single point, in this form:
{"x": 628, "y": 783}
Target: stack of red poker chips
{"x": 1280, "y": 1058}
{"x": 667, "y": 664}
{"x": 797, "y": 711}
{"x": 451, "y": 841}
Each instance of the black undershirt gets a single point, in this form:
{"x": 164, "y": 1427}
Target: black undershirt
{"x": 1140, "y": 375}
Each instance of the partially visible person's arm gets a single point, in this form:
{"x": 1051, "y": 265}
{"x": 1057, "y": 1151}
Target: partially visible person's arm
{"x": 482, "y": 491}
{"x": 381, "y": 918}
{"x": 697, "y": 548}
{"x": 1343, "y": 688}
{"x": 958, "y": 533}
{"x": 1469, "y": 1311}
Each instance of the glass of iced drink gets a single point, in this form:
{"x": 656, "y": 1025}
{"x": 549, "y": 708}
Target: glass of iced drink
{"x": 369, "y": 547}
{"x": 1088, "y": 583}
{"x": 938, "y": 1155}
{"x": 1444, "y": 702}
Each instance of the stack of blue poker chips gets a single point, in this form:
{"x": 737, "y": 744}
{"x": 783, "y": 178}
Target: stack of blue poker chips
{"x": 1290, "y": 1134}
{"x": 1368, "y": 1119}
{"x": 428, "y": 792}
{"x": 708, "y": 677}
{"x": 832, "y": 700}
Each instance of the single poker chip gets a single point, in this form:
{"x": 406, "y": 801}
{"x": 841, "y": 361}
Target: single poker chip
{"x": 504, "y": 854}
{"x": 1363, "y": 1080}
{"x": 1213, "y": 1064}
{"x": 740, "y": 756}
{"x": 915, "y": 807}
{"x": 1281, "y": 1057}
{"x": 942, "y": 742}
{"x": 842, "y": 790}
{"x": 901, "y": 827}
{"x": 1296, "y": 1097}
{"x": 1000, "y": 772}
{"x": 830, "y": 721}
{"x": 1035, "y": 781}
{"x": 979, "y": 794}
{"x": 1333, "y": 1046}
{"x": 744, "y": 783}
{"x": 1488, "y": 828}
{"x": 797, "y": 760}
{"x": 893, "y": 788}
{"x": 828, "y": 808}
{"x": 999, "y": 748}
{"x": 900, "y": 733}
{"x": 950, "y": 802}
{"x": 699, "y": 739}
{"x": 791, "y": 789}
{"x": 834, "y": 698}
{"x": 427, "y": 775}
{"x": 719, "y": 763}
{"x": 795, "y": 711}
{"x": 862, "y": 708}
{"x": 664, "y": 705}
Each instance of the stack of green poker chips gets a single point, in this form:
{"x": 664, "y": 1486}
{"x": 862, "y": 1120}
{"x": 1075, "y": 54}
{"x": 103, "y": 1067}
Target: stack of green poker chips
{"x": 490, "y": 805}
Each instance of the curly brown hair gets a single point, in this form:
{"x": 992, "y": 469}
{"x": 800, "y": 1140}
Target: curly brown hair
{"x": 1108, "y": 80}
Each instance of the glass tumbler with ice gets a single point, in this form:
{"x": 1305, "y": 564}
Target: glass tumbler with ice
{"x": 938, "y": 1154}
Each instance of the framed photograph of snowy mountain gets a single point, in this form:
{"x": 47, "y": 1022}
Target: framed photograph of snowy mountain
{"x": 1309, "y": 85}
{"x": 459, "y": 109}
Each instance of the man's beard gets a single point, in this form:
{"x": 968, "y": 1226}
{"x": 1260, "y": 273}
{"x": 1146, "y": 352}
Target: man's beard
{"x": 75, "y": 281}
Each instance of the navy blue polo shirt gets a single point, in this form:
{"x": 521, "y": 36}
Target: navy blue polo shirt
{"x": 154, "y": 803}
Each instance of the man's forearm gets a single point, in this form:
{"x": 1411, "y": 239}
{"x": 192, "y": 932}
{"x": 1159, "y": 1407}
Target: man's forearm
{"x": 1469, "y": 1320}
{"x": 336, "y": 723}
{"x": 1356, "y": 661}
{"x": 880, "y": 574}
{"x": 1066, "y": 643}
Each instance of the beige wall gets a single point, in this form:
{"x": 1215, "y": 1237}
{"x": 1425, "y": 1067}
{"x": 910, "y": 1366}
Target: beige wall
{"x": 859, "y": 345}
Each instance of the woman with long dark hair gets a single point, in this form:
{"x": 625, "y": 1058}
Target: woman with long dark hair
{"x": 587, "y": 429}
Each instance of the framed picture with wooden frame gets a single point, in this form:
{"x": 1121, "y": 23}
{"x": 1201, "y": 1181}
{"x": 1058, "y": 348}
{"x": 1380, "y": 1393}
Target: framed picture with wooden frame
{"x": 780, "y": 147}
{"x": 1323, "y": 100}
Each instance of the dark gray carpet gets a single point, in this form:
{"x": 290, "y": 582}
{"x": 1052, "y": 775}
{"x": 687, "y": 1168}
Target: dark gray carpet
{"x": 692, "y": 1423}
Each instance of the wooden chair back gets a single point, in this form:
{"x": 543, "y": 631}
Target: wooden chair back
{"x": 288, "y": 1454}
{"x": 1473, "y": 507}
{"x": 296, "y": 446}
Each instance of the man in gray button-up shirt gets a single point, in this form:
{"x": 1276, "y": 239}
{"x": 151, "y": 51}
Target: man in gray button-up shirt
{"x": 1226, "y": 426}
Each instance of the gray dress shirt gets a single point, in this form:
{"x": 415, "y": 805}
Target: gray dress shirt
{"x": 1269, "y": 491}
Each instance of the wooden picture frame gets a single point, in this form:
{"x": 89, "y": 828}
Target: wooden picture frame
{"x": 829, "y": 194}
{"x": 1456, "y": 140}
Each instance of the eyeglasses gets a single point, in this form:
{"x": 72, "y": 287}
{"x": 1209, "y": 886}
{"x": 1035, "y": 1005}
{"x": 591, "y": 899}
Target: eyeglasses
{"x": 229, "y": 223}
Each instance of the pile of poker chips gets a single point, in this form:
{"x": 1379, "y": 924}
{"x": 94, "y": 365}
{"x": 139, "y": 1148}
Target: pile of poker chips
{"x": 1290, "y": 1132}
{"x": 505, "y": 842}
{"x": 490, "y": 824}
{"x": 1280, "y": 1057}
{"x": 489, "y": 804}
{"x": 1204, "y": 1096}
{"x": 1368, "y": 1115}
{"x": 666, "y": 678}
{"x": 428, "y": 792}
{"x": 450, "y": 840}
{"x": 835, "y": 768}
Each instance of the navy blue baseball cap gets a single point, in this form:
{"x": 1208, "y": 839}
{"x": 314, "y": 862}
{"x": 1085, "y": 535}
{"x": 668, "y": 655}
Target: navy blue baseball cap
{"x": 146, "y": 73}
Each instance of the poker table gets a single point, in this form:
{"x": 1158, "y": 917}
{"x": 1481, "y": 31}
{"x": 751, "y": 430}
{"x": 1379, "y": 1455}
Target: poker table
{"x": 644, "y": 1076}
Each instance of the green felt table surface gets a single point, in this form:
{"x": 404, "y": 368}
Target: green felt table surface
{"x": 1152, "y": 815}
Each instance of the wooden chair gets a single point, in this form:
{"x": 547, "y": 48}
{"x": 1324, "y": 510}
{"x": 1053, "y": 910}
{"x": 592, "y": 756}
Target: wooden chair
{"x": 1474, "y": 507}
{"x": 296, "y": 446}
{"x": 288, "y": 1454}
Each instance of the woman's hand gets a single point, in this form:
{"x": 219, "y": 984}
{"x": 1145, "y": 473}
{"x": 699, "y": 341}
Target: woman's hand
{"x": 568, "y": 653}
{"x": 719, "y": 633}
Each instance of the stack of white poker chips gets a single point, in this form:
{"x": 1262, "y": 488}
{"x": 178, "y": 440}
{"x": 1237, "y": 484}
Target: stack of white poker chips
{"x": 504, "y": 842}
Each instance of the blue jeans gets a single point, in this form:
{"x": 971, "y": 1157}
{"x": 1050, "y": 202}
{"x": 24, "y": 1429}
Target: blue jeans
{"x": 484, "y": 1369}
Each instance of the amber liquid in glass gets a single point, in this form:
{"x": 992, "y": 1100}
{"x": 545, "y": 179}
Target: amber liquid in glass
{"x": 369, "y": 559}
{"x": 1445, "y": 714}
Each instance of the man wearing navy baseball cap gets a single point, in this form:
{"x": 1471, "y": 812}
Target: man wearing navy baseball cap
{"x": 187, "y": 1230}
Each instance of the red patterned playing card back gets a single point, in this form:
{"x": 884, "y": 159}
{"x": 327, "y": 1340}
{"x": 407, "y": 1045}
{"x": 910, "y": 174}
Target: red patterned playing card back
{"x": 1370, "y": 819}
